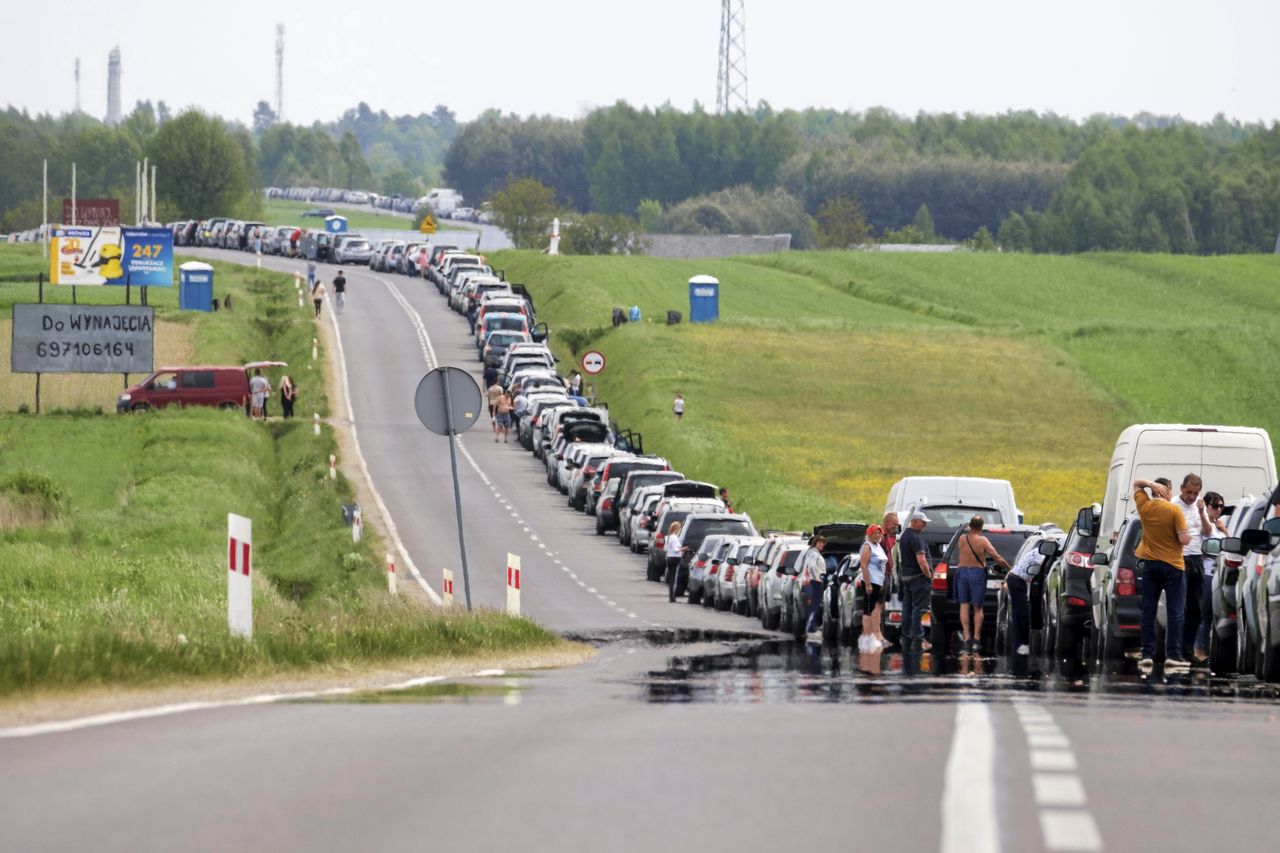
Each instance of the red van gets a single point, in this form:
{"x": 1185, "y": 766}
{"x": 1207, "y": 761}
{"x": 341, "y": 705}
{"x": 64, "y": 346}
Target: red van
{"x": 203, "y": 385}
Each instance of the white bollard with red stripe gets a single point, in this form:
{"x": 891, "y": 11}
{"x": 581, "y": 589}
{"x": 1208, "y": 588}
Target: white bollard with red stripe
{"x": 391, "y": 575}
{"x": 240, "y": 576}
{"x": 316, "y": 422}
{"x": 333, "y": 467}
{"x": 356, "y": 525}
{"x": 315, "y": 348}
{"x": 513, "y": 585}
{"x": 447, "y": 589}
{"x": 301, "y": 304}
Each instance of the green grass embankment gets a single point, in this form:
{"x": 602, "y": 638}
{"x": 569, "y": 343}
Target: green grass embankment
{"x": 113, "y": 533}
{"x": 832, "y": 375}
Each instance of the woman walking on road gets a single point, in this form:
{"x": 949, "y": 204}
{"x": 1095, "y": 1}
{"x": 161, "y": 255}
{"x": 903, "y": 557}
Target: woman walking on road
{"x": 672, "y": 548}
{"x": 872, "y": 560}
{"x": 317, "y": 296}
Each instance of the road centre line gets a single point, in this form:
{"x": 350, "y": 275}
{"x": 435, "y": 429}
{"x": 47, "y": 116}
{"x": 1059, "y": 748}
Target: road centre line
{"x": 968, "y": 795}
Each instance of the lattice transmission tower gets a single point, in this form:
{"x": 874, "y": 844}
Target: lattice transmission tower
{"x": 279, "y": 72}
{"x": 731, "y": 75}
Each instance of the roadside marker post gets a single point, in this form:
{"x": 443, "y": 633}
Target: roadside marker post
{"x": 315, "y": 348}
{"x": 297, "y": 280}
{"x": 356, "y": 525}
{"x": 447, "y": 587}
{"x": 300, "y": 303}
{"x": 513, "y": 585}
{"x": 240, "y": 576}
{"x": 333, "y": 467}
{"x": 317, "y": 423}
{"x": 391, "y": 574}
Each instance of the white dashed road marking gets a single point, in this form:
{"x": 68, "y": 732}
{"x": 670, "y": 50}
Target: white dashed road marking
{"x": 1065, "y": 821}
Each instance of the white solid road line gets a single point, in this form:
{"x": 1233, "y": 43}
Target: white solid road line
{"x": 364, "y": 469}
{"x": 968, "y": 794}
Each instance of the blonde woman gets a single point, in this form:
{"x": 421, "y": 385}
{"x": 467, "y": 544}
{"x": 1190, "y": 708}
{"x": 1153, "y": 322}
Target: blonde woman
{"x": 673, "y": 548}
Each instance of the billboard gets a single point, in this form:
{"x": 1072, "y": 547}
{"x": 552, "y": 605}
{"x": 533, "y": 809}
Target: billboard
{"x": 93, "y": 212}
{"x": 96, "y": 256}
{"x": 82, "y": 338}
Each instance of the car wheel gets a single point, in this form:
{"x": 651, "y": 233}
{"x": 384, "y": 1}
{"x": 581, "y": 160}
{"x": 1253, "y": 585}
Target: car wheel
{"x": 1066, "y": 644}
{"x": 140, "y": 407}
{"x": 1112, "y": 646}
{"x": 830, "y": 629}
{"x": 230, "y": 407}
{"x": 694, "y": 598}
{"x": 1244, "y": 654}
{"x": 772, "y": 621}
{"x": 1221, "y": 658}
{"x": 939, "y": 637}
{"x": 1268, "y": 654}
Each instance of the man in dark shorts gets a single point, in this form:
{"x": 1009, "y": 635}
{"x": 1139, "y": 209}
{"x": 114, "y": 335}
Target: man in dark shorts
{"x": 916, "y": 577}
{"x": 493, "y": 395}
{"x": 970, "y": 584}
{"x": 340, "y": 291}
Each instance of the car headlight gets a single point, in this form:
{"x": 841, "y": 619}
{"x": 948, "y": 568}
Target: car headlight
{"x": 126, "y": 397}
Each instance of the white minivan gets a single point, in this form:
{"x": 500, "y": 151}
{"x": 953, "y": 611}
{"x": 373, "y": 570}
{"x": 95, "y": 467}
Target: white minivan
{"x": 913, "y": 492}
{"x": 1232, "y": 461}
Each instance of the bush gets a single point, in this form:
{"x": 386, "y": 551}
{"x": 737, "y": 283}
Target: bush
{"x": 601, "y": 234}
{"x": 742, "y": 210}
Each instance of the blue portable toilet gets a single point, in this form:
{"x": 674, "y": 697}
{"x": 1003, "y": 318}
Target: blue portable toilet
{"x": 195, "y": 286}
{"x": 335, "y": 224}
{"x": 704, "y": 299}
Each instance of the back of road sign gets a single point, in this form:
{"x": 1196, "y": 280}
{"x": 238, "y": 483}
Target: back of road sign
{"x": 465, "y": 402}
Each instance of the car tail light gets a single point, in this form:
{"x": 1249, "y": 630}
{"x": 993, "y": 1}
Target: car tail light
{"x": 940, "y": 576}
{"x": 728, "y": 573}
{"x": 895, "y": 617}
{"x": 1230, "y": 563}
{"x": 1126, "y": 582}
{"x": 607, "y": 504}
{"x": 1076, "y": 602}
{"x": 587, "y": 472}
{"x": 658, "y": 539}
{"x": 713, "y": 568}
{"x": 1079, "y": 559}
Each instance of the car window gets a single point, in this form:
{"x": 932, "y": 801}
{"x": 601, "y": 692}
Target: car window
{"x": 197, "y": 379}
{"x": 958, "y": 516}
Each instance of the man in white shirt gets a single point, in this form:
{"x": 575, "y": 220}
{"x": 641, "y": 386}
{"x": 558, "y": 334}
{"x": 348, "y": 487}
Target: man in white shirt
{"x": 813, "y": 572}
{"x": 1188, "y": 501}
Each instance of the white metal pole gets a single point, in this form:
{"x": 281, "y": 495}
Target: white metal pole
{"x": 137, "y": 189}
{"x": 146, "y": 170}
{"x": 73, "y": 193}
{"x": 153, "y": 193}
{"x": 45, "y": 229}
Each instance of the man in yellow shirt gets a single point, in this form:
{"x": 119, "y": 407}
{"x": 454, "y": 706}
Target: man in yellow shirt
{"x": 1164, "y": 532}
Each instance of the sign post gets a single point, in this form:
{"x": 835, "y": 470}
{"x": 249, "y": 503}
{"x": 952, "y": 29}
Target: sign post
{"x": 513, "y": 585}
{"x": 240, "y": 576}
{"x": 448, "y": 402}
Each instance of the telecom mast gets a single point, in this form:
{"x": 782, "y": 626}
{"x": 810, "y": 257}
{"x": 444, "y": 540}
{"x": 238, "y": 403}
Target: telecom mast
{"x": 731, "y": 74}
{"x": 77, "y": 84}
{"x": 113, "y": 86}
{"x": 279, "y": 72}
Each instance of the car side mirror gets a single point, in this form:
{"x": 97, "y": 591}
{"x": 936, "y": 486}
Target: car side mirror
{"x": 1047, "y": 548}
{"x": 1256, "y": 540}
{"x": 1087, "y": 522}
{"x": 1099, "y": 559}
{"x": 1212, "y": 547}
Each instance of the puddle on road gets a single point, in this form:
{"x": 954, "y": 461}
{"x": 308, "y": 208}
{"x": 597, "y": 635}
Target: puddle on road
{"x": 783, "y": 671}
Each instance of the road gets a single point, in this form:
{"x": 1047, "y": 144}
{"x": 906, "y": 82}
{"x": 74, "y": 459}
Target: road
{"x": 687, "y": 731}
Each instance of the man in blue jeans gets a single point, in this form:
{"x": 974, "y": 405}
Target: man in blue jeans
{"x": 1164, "y": 533}
{"x": 916, "y": 577}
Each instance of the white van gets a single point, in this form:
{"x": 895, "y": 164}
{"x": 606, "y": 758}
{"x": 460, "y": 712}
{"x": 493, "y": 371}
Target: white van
{"x": 443, "y": 201}
{"x": 1232, "y": 461}
{"x": 912, "y": 492}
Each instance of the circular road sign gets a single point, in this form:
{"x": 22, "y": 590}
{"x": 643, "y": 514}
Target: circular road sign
{"x": 448, "y": 400}
{"x": 593, "y": 362}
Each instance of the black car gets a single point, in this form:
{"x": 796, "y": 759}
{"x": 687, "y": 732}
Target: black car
{"x": 843, "y": 542}
{"x": 946, "y": 612}
{"x": 1066, "y": 612}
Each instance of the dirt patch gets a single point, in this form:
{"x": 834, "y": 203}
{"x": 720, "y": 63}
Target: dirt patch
{"x": 50, "y": 706}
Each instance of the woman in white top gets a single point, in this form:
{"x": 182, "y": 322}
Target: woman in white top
{"x": 872, "y": 560}
{"x": 672, "y": 548}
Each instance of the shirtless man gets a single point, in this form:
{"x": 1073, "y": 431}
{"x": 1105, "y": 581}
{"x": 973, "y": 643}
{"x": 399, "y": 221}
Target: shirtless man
{"x": 971, "y": 581}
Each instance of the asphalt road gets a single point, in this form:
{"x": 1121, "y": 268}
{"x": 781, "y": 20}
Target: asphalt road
{"x": 685, "y": 732}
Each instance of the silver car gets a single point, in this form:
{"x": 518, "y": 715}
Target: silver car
{"x": 784, "y": 564}
{"x": 743, "y": 560}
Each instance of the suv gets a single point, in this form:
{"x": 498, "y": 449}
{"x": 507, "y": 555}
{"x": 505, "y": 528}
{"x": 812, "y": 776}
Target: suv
{"x": 1066, "y": 612}
{"x": 699, "y": 525}
{"x": 610, "y": 480}
{"x": 1049, "y": 541}
{"x": 783, "y": 565}
{"x": 634, "y": 482}
{"x": 222, "y": 387}
{"x": 1117, "y": 598}
{"x": 670, "y": 510}
{"x": 1223, "y": 642}
{"x": 946, "y": 613}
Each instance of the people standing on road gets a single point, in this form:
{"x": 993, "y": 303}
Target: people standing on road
{"x": 490, "y": 375}
{"x": 726, "y": 500}
{"x": 259, "y": 388}
{"x": 677, "y": 408}
{"x": 494, "y": 394}
{"x": 872, "y": 560}
{"x": 1164, "y": 534}
{"x": 916, "y": 576}
{"x": 288, "y": 394}
{"x": 340, "y": 292}
{"x": 317, "y": 296}
{"x": 813, "y": 574}
{"x": 1189, "y": 503}
{"x": 1214, "y": 504}
{"x": 504, "y": 416}
{"x": 672, "y": 549}
{"x": 970, "y": 584}
{"x": 1017, "y": 584}
{"x": 311, "y": 272}
{"x": 473, "y": 311}
{"x": 294, "y": 239}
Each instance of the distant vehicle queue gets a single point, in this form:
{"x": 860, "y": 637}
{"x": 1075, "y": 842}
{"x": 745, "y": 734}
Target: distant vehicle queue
{"x": 1177, "y": 564}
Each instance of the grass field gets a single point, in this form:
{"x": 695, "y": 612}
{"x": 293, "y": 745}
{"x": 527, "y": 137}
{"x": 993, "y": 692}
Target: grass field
{"x": 113, "y": 528}
{"x": 282, "y": 212}
{"x": 831, "y": 375}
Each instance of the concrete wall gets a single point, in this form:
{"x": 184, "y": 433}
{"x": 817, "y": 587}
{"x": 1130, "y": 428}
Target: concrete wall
{"x": 715, "y": 245}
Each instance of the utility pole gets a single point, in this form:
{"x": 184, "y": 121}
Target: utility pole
{"x": 279, "y": 72}
{"x": 731, "y": 73}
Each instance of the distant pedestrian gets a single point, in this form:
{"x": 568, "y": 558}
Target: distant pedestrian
{"x": 288, "y": 394}
{"x": 317, "y": 296}
{"x": 575, "y": 385}
{"x": 1190, "y": 504}
{"x": 813, "y": 576}
{"x": 969, "y": 587}
{"x": 311, "y": 272}
{"x": 259, "y": 389}
{"x": 340, "y": 292}
{"x": 1214, "y": 504}
{"x": 1164, "y": 533}
{"x": 504, "y": 408}
{"x": 672, "y": 549}
{"x": 494, "y": 394}
{"x": 916, "y": 577}
{"x": 473, "y": 309}
{"x": 873, "y": 561}
{"x": 725, "y": 499}
{"x": 677, "y": 408}
{"x": 490, "y": 375}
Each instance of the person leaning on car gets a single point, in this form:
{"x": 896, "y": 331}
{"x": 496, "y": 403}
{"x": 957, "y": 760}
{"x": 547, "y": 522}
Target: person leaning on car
{"x": 1164, "y": 533}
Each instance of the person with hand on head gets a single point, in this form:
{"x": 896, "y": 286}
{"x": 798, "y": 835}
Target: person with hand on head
{"x": 916, "y": 578}
{"x": 1214, "y": 504}
{"x": 1164, "y": 534}
{"x": 1193, "y": 509}
{"x": 873, "y": 560}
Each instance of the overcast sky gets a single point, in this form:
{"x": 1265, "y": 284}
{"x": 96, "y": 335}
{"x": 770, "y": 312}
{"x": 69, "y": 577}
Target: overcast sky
{"x": 564, "y": 57}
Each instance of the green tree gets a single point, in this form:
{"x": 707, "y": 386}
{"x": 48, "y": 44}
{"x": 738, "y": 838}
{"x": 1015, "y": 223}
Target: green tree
{"x": 201, "y": 165}
{"x": 923, "y": 222}
{"x": 842, "y": 224}
{"x": 649, "y": 213}
{"x": 982, "y": 241}
{"x": 600, "y": 234}
{"x": 358, "y": 175}
{"x": 524, "y": 209}
{"x": 1014, "y": 234}
{"x": 263, "y": 118}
